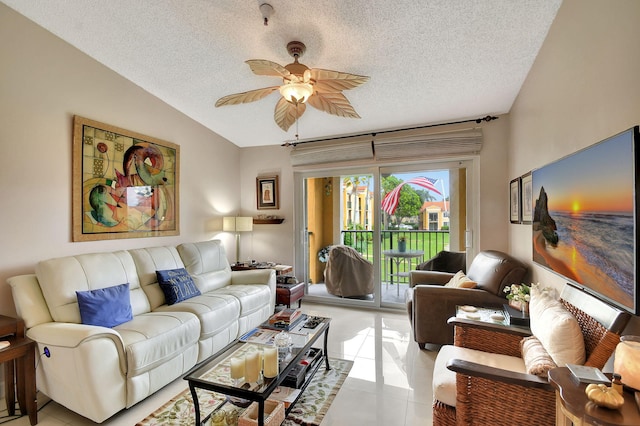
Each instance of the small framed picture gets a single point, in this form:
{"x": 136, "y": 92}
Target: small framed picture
{"x": 267, "y": 192}
{"x": 514, "y": 201}
{"x": 527, "y": 199}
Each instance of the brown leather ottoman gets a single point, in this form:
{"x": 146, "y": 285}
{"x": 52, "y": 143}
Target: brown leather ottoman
{"x": 286, "y": 294}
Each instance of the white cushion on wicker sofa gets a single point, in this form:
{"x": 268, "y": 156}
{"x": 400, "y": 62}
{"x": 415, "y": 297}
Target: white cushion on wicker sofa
{"x": 444, "y": 380}
{"x": 556, "y": 328}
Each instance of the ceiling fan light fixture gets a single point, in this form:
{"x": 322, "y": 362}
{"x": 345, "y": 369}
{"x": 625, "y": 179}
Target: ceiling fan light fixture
{"x": 296, "y": 92}
{"x": 320, "y": 88}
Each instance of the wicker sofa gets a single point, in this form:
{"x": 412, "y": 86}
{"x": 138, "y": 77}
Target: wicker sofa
{"x": 484, "y": 379}
{"x": 97, "y": 371}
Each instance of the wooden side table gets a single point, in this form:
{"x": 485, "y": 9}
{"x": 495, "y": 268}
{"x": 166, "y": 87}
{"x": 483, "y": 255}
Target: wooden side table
{"x": 280, "y": 269}
{"x": 286, "y": 294}
{"x": 19, "y": 360}
{"x": 573, "y": 406}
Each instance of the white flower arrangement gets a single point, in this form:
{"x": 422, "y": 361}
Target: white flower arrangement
{"x": 518, "y": 293}
{"x": 523, "y": 292}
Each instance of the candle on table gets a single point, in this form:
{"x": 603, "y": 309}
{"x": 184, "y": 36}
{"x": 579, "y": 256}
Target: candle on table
{"x": 237, "y": 368}
{"x": 270, "y": 362}
{"x": 251, "y": 369}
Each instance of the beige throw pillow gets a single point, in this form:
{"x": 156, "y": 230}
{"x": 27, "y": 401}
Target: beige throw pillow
{"x": 460, "y": 280}
{"x": 557, "y": 329}
{"x": 536, "y": 359}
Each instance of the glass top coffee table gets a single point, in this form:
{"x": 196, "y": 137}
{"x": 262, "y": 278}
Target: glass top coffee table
{"x": 213, "y": 374}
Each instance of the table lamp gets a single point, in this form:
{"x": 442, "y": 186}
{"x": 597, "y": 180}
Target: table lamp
{"x": 237, "y": 224}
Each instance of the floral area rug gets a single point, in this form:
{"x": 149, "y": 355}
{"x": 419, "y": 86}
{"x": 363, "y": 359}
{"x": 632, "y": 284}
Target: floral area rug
{"x": 309, "y": 410}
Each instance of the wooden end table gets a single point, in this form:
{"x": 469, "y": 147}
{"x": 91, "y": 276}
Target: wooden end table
{"x": 573, "y": 406}
{"x": 286, "y": 294}
{"x": 280, "y": 269}
{"x": 19, "y": 360}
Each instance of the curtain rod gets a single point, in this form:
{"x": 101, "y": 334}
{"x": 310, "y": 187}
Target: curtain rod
{"x": 373, "y": 134}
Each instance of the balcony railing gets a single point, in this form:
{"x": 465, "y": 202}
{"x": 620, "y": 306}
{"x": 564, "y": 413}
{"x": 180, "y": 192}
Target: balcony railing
{"x": 429, "y": 242}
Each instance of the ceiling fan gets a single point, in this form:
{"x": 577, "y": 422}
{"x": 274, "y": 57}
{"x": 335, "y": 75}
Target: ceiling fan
{"x": 322, "y": 89}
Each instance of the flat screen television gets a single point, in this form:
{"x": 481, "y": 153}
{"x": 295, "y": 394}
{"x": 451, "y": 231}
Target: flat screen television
{"x": 585, "y": 218}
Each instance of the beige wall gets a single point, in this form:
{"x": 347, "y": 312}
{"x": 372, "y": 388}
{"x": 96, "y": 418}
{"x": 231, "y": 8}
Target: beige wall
{"x": 583, "y": 87}
{"x": 267, "y": 242}
{"x": 494, "y": 196}
{"x": 43, "y": 83}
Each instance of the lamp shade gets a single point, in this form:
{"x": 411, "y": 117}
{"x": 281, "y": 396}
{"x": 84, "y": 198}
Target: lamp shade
{"x": 627, "y": 361}
{"x": 229, "y": 224}
{"x": 296, "y": 92}
{"x": 244, "y": 224}
{"x": 237, "y": 224}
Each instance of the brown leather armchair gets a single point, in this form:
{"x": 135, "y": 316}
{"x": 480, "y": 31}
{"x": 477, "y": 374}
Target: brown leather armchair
{"x": 446, "y": 261}
{"x": 430, "y": 304}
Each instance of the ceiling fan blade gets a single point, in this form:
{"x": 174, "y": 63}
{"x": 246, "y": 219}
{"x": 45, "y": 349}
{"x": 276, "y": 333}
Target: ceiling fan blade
{"x": 334, "y": 103}
{"x": 286, "y": 113}
{"x": 335, "y": 81}
{"x": 264, "y": 67}
{"x": 246, "y": 97}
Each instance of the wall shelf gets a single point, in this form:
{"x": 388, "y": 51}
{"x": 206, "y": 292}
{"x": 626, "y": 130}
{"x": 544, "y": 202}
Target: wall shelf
{"x": 267, "y": 221}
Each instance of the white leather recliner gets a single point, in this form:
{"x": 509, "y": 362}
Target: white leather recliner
{"x": 97, "y": 371}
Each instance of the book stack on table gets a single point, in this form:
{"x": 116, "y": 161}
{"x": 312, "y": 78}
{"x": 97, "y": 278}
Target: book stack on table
{"x": 286, "y": 318}
{"x": 586, "y": 374}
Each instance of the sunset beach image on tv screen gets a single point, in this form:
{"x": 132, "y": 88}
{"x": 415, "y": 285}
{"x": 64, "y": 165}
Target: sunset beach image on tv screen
{"x": 583, "y": 220}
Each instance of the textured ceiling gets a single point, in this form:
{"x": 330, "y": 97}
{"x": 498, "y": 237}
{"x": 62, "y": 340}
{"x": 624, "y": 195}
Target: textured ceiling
{"x": 430, "y": 61}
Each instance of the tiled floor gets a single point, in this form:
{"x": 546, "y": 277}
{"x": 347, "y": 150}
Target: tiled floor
{"x": 390, "y": 293}
{"x": 389, "y": 384}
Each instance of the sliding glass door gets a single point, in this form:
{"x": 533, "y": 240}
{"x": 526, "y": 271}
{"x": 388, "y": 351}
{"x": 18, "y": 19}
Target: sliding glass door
{"x": 422, "y": 212}
{"x": 339, "y": 210}
{"x": 391, "y": 217}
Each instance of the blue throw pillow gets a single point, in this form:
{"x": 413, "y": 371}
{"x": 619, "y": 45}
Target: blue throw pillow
{"x": 177, "y": 285}
{"x": 106, "y": 307}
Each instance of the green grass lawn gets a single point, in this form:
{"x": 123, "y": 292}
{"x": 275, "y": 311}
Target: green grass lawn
{"x": 428, "y": 242}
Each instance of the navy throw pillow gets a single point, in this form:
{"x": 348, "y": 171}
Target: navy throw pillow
{"x": 106, "y": 307}
{"x": 177, "y": 285}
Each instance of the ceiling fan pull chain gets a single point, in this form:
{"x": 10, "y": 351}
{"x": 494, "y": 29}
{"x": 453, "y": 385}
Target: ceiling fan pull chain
{"x": 297, "y": 132}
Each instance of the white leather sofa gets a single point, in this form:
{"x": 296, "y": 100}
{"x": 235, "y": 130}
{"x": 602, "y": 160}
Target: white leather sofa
{"x": 97, "y": 371}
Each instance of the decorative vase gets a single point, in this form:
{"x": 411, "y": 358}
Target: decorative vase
{"x": 523, "y": 307}
{"x": 626, "y": 361}
{"x": 402, "y": 246}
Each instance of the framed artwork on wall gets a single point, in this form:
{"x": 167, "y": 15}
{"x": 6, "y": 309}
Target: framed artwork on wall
{"x": 268, "y": 193}
{"x": 514, "y": 201}
{"x": 125, "y": 184}
{"x": 527, "y": 198}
